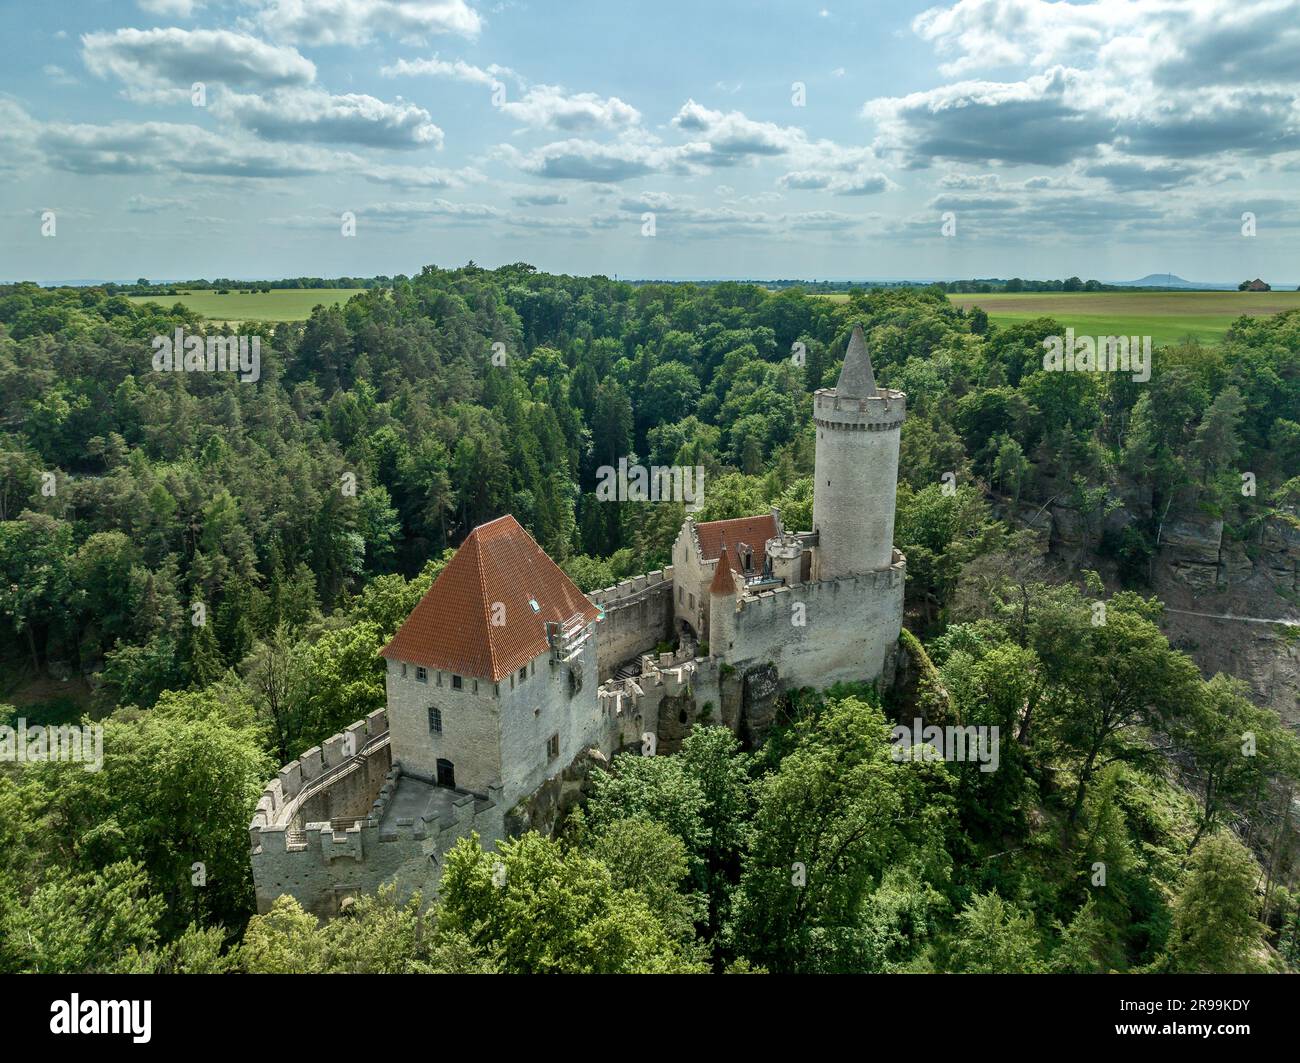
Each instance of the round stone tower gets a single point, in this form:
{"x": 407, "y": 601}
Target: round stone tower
{"x": 722, "y": 605}
{"x": 856, "y": 473}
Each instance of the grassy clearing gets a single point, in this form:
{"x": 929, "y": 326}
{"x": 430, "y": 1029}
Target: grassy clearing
{"x": 1167, "y": 317}
{"x": 279, "y": 304}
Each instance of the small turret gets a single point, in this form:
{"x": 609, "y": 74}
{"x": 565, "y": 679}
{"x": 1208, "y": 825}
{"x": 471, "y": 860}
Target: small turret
{"x": 723, "y": 596}
{"x": 785, "y": 559}
{"x": 724, "y": 582}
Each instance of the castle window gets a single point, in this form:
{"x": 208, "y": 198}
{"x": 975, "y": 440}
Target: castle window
{"x": 523, "y": 673}
{"x": 681, "y": 598}
{"x": 457, "y": 683}
{"x": 421, "y": 675}
{"x": 403, "y": 669}
{"x": 435, "y": 720}
{"x": 692, "y": 601}
{"x": 553, "y": 747}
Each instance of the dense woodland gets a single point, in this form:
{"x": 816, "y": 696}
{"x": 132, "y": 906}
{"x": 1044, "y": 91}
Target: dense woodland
{"x": 208, "y": 567}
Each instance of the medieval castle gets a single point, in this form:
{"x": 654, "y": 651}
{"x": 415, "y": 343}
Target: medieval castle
{"x": 506, "y": 682}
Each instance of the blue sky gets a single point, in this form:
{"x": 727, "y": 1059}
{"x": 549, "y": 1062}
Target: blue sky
{"x": 785, "y": 139}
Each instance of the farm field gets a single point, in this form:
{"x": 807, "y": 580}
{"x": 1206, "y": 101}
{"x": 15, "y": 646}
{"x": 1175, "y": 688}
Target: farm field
{"x": 1167, "y": 317}
{"x": 279, "y": 304}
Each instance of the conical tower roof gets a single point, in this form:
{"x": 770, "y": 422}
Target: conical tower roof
{"x": 857, "y": 380}
{"x": 723, "y": 583}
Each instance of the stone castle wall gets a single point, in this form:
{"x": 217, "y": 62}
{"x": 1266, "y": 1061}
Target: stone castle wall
{"x": 470, "y": 725}
{"x": 692, "y": 576}
{"x": 638, "y": 617}
{"x": 545, "y": 706}
{"x": 326, "y": 863}
{"x": 353, "y": 763}
{"x": 321, "y": 831}
{"x": 817, "y": 634}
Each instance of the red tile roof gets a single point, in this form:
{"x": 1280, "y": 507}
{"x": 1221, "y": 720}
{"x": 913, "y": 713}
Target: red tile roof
{"x": 754, "y": 532}
{"x": 451, "y": 628}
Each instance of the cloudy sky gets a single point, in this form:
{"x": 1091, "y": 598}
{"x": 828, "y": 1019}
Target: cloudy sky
{"x": 768, "y": 138}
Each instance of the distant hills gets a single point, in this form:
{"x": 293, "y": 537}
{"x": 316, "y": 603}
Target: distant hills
{"x": 1172, "y": 280}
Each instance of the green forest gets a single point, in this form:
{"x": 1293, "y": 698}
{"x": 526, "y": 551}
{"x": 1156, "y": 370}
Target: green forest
{"x": 209, "y": 567}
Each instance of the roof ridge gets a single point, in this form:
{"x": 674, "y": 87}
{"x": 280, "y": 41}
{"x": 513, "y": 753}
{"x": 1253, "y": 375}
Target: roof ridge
{"x": 483, "y": 595}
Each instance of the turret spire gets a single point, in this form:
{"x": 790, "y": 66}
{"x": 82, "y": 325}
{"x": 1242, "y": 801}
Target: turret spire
{"x": 723, "y": 581}
{"x": 857, "y": 380}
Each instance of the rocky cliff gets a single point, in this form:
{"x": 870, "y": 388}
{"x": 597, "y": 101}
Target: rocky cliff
{"x": 1233, "y": 605}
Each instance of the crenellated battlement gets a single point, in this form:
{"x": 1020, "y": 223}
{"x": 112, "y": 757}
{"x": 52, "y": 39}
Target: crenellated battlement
{"x": 354, "y": 751}
{"x": 625, "y": 592}
{"x": 637, "y": 616}
{"x": 333, "y": 812}
{"x": 880, "y": 581}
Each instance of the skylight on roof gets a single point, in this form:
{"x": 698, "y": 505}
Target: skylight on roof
{"x": 533, "y": 602}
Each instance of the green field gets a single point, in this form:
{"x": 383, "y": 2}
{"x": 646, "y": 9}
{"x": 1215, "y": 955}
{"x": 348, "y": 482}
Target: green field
{"x": 279, "y": 304}
{"x": 1167, "y": 317}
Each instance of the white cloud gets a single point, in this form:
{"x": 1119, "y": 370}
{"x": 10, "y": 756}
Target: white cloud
{"x": 860, "y": 183}
{"x": 420, "y": 176}
{"x": 452, "y": 70}
{"x": 401, "y": 211}
{"x": 168, "y": 147}
{"x": 1047, "y": 119}
{"x": 18, "y": 138}
{"x": 1165, "y": 80}
{"x": 142, "y": 204}
{"x": 969, "y": 182}
{"x": 358, "y": 21}
{"x": 539, "y": 199}
{"x": 662, "y": 202}
{"x": 550, "y": 107}
{"x": 162, "y": 60}
{"x": 986, "y": 34}
{"x": 540, "y": 107}
{"x": 732, "y": 136}
{"x": 58, "y": 75}
{"x": 588, "y": 160}
{"x": 314, "y": 116}
{"x": 169, "y": 8}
